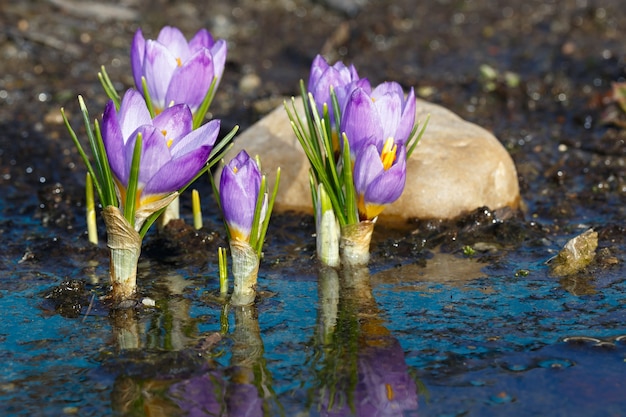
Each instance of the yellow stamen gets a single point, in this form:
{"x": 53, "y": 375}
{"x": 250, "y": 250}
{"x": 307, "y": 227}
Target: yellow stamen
{"x": 388, "y": 155}
{"x": 169, "y": 143}
{"x": 179, "y": 62}
{"x": 368, "y": 211}
{"x": 235, "y": 170}
{"x": 390, "y": 394}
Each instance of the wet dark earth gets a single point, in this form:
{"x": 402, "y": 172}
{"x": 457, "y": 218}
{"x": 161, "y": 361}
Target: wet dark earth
{"x": 456, "y": 318}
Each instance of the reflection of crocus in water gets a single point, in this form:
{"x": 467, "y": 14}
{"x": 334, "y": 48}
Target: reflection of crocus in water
{"x": 240, "y": 184}
{"x": 177, "y": 71}
{"x": 377, "y": 116}
{"x": 341, "y": 78}
{"x": 379, "y": 177}
{"x": 172, "y": 153}
{"x": 384, "y": 387}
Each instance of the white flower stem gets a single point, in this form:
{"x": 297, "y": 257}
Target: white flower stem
{"x": 125, "y": 247}
{"x": 354, "y": 244}
{"x": 245, "y": 272}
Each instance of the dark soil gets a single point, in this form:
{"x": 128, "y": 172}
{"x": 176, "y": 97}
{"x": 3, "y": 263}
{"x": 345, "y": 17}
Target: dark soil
{"x": 550, "y": 103}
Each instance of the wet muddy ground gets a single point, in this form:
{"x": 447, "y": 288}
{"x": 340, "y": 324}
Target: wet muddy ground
{"x": 538, "y": 74}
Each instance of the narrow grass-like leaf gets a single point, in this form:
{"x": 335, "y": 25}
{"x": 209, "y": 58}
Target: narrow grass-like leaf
{"x": 223, "y": 270}
{"x": 107, "y": 177}
{"x": 92, "y": 229}
{"x": 108, "y": 87}
{"x": 268, "y": 213}
{"x": 196, "y": 209}
{"x": 133, "y": 179}
{"x": 414, "y": 140}
{"x": 83, "y": 155}
{"x": 206, "y": 103}
{"x": 352, "y": 214}
{"x": 147, "y": 98}
{"x": 258, "y": 211}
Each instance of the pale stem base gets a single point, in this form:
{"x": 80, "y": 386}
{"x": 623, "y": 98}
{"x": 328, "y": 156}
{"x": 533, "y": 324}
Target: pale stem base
{"x": 245, "y": 272}
{"x": 125, "y": 247}
{"x": 354, "y": 244}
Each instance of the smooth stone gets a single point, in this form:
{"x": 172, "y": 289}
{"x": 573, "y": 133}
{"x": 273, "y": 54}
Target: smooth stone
{"x": 457, "y": 167}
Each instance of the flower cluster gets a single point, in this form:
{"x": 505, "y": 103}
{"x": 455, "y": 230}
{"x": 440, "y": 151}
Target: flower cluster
{"x": 366, "y": 135}
{"x": 151, "y": 144}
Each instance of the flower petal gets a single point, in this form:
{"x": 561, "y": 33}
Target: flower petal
{"x": 219, "y": 51}
{"x": 407, "y": 120}
{"x": 239, "y": 189}
{"x": 388, "y": 186}
{"x": 154, "y": 153}
{"x": 113, "y": 140}
{"x": 174, "y": 40}
{"x": 202, "y": 39}
{"x": 133, "y": 113}
{"x": 367, "y": 166}
{"x": 360, "y": 121}
{"x": 190, "y": 83}
{"x": 174, "y": 122}
{"x": 159, "y": 65}
{"x": 176, "y": 173}
{"x": 205, "y": 135}
{"x": 137, "y": 53}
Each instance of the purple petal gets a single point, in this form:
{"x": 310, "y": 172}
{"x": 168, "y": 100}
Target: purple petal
{"x": 177, "y": 172}
{"x": 407, "y": 120}
{"x": 202, "y": 39}
{"x": 360, "y": 121}
{"x": 175, "y": 122}
{"x": 133, "y": 113}
{"x": 137, "y": 52}
{"x": 205, "y": 135}
{"x": 113, "y": 140}
{"x": 389, "y": 185}
{"x": 389, "y": 109}
{"x": 154, "y": 153}
{"x": 219, "y": 51}
{"x": 367, "y": 166}
{"x": 190, "y": 83}
{"x": 239, "y": 189}
{"x": 174, "y": 40}
{"x": 159, "y": 66}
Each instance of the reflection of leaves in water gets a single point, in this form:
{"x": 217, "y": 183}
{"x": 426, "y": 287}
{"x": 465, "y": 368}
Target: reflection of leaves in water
{"x": 358, "y": 365}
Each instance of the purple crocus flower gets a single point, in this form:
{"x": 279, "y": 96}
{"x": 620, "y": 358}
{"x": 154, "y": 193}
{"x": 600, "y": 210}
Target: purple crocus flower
{"x": 379, "y": 177}
{"x": 172, "y": 153}
{"x": 341, "y": 78}
{"x": 372, "y": 118}
{"x": 177, "y": 71}
{"x": 240, "y": 184}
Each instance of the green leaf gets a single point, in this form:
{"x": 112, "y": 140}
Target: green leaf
{"x": 109, "y": 88}
{"x": 268, "y": 213}
{"x": 206, "y": 103}
{"x": 147, "y": 98}
{"x": 133, "y": 179}
{"x": 414, "y": 140}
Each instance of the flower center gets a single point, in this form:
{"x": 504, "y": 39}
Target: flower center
{"x": 179, "y": 62}
{"x": 388, "y": 154}
{"x": 168, "y": 142}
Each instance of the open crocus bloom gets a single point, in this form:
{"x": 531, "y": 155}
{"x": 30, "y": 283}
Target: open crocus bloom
{"x": 177, "y": 71}
{"x": 372, "y": 118}
{"x": 171, "y": 155}
{"x": 240, "y": 185}
{"x": 341, "y": 78}
{"x": 379, "y": 177}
